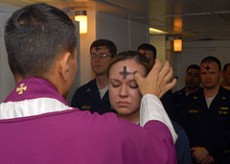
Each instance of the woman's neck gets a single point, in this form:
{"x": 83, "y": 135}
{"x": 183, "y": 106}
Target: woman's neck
{"x": 133, "y": 118}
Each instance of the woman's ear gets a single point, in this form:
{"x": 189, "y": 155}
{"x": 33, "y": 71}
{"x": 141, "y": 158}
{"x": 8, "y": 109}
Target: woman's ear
{"x": 65, "y": 65}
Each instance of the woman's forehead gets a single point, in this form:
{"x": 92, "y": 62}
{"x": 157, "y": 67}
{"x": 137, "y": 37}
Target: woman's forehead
{"x": 124, "y": 73}
{"x": 129, "y": 65}
{"x": 126, "y": 68}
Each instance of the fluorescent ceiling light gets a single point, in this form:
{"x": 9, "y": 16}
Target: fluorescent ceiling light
{"x": 156, "y": 31}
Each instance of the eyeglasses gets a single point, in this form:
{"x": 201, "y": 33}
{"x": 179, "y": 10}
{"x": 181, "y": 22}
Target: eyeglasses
{"x": 100, "y": 56}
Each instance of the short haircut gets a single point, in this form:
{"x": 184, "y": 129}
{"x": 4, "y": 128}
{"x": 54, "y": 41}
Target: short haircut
{"x": 193, "y": 66}
{"x": 226, "y": 66}
{"x": 139, "y": 58}
{"x": 149, "y": 47}
{"x": 211, "y": 59}
{"x": 35, "y": 35}
{"x": 107, "y": 43}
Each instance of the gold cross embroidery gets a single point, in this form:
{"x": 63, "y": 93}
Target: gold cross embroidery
{"x": 21, "y": 88}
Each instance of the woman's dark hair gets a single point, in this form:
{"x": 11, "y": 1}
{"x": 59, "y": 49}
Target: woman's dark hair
{"x": 139, "y": 58}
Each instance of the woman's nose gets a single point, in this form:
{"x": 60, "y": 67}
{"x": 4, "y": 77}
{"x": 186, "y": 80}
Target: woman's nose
{"x": 123, "y": 91}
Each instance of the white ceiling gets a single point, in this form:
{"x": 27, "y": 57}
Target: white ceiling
{"x": 191, "y": 19}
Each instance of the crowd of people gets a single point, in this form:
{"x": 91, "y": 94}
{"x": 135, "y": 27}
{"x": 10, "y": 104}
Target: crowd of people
{"x": 198, "y": 111}
{"x": 127, "y": 114}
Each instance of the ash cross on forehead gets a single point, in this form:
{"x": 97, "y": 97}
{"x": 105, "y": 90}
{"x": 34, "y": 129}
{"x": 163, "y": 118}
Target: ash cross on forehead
{"x": 207, "y": 68}
{"x": 125, "y": 73}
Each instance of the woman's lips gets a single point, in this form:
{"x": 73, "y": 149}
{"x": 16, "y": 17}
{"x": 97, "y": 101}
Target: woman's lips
{"x": 122, "y": 103}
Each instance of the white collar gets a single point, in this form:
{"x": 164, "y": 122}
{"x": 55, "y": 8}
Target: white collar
{"x": 31, "y": 107}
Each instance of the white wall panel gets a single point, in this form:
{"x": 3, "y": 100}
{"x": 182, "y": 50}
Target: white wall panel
{"x": 7, "y": 81}
{"x": 126, "y": 34}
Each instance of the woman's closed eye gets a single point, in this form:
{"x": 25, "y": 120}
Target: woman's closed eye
{"x": 133, "y": 84}
{"x": 115, "y": 83}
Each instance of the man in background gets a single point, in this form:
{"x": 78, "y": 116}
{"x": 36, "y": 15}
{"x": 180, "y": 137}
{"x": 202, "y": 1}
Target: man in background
{"x": 191, "y": 81}
{"x": 149, "y": 51}
{"x": 207, "y": 116}
{"x": 93, "y": 96}
{"x": 192, "y": 84}
{"x": 226, "y": 76}
{"x": 182, "y": 143}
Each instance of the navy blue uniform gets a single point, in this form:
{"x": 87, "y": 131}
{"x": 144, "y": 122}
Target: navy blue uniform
{"x": 87, "y": 97}
{"x": 179, "y": 97}
{"x": 169, "y": 104}
{"x": 182, "y": 143}
{"x": 209, "y": 127}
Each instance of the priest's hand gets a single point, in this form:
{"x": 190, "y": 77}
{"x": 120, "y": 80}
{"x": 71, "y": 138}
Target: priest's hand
{"x": 158, "y": 81}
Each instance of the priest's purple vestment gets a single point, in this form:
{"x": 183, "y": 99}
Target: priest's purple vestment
{"x": 47, "y": 130}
